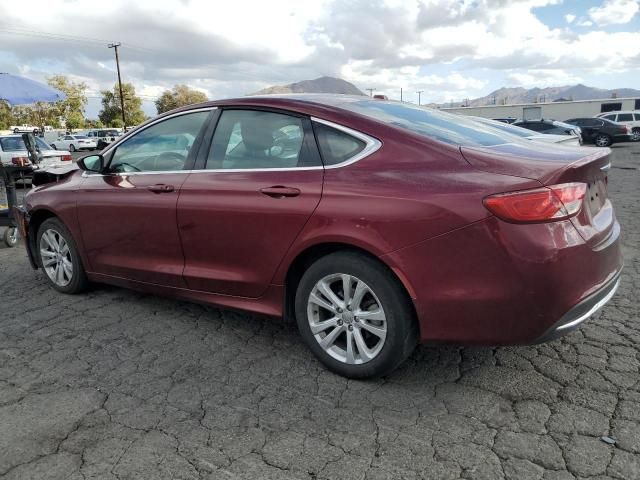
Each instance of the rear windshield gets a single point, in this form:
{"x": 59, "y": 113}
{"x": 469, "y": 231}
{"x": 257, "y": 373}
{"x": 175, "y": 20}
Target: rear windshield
{"x": 16, "y": 144}
{"x": 504, "y": 127}
{"x": 442, "y": 126}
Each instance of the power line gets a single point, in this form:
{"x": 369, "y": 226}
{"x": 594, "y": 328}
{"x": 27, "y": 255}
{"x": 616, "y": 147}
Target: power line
{"x": 67, "y": 38}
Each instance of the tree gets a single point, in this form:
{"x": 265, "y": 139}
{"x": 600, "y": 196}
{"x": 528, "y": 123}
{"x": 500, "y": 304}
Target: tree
{"x": 75, "y": 120}
{"x": 6, "y": 116}
{"x": 71, "y": 110}
{"x": 179, "y": 96}
{"x": 111, "y": 109}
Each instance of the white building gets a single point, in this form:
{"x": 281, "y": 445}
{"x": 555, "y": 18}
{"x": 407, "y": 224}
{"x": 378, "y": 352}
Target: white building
{"x": 550, "y": 110}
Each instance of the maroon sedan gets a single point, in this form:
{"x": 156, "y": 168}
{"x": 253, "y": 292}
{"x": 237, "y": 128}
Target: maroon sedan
{"x": 375, "y": 224}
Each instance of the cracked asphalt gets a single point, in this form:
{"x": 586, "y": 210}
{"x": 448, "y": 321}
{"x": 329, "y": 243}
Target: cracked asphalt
{"x": 121, "y": 385}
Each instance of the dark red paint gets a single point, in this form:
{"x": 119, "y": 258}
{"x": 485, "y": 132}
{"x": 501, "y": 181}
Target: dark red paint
{"x": 229, "y": 238}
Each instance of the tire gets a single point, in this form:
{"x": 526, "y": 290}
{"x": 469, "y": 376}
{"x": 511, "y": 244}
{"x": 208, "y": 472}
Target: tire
{"x": 101, "y": 145}
{"x": 16, "y": 130}
{"x": 10, "y": 236}
{"x": 72, "y": 279}
{"x": 394, "y": 320}
{"x": 53, "y": 145}
{"x": 602, "y": 140}
{"x": 635, "y": 134}
{"x": 72, "y": 148}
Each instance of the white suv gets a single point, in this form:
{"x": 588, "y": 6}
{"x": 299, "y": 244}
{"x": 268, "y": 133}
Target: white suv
{"x": 626, "y": 118}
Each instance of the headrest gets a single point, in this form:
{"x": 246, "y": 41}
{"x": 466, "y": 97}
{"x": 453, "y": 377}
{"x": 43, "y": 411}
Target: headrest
{"x": 254, "y": 134}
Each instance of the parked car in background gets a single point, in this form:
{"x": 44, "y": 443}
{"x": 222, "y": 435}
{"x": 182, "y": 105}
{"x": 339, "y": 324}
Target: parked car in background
{"x": 631, "y": 118}
{"x": 103, "y": 136}
{"x": 601, "y": 132}
{"x": 376, "y": 224}
{"x": 75, "y": 142}
{"x": 508, "y": 120}
{"x": 567, "y": 140}
{"x": 14, "y": 152}
{"x": 550, "y": 127}
{"x": 24, "y": 128}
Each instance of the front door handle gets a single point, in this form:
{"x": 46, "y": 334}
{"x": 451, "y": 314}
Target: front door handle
{"x": 160, "y": 188}
{"x": 279, "y": 191}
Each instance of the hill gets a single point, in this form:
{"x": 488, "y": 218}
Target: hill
{"x": 550, "y": 94}
{"x": 319, "y": 85}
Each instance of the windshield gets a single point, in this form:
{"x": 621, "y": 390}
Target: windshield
{"x": 81, "y": 136}
{"x": 442, "y": 126}
{"x": 16, "y": 144}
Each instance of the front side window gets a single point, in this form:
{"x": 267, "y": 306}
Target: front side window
{"x": 611, "y": 117}
{"x": 251, "y": 139}
{"x": 336, "y": 146}
{"x": 164, "y": 146}
{"x": 625, "y": 117}
{"x": 637, "y": 115}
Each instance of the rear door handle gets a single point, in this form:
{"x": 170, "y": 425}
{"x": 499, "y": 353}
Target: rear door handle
{"x": 280, "y": 192}
{"x": 160, "y": 188}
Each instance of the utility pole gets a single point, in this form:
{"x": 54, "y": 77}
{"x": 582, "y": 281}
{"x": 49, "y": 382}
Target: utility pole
{"x": 115, "y": 47}
{"x": 419, "y": 92}
{"x": 370, "y": 91}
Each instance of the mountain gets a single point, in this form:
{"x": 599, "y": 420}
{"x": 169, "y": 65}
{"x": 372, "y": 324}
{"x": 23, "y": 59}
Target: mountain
{"x": 319, "y": 85}
{"x": 568, "y": 92}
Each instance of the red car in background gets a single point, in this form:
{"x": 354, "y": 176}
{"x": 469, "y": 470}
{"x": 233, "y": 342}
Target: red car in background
{"x": 375, "y": 224}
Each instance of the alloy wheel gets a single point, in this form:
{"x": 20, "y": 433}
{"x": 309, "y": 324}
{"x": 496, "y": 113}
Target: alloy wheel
{"x": 56, "y": 257}
{"x": 346, "y": 318}
{"x": 635, "y": 135}
{"x": 602, "y": 141}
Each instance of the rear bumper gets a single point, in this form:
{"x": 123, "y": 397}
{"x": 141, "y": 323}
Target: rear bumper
{"x": 494, "y": 283}
{"x": 622, "y": 138}
{"x": 571, "y": 320}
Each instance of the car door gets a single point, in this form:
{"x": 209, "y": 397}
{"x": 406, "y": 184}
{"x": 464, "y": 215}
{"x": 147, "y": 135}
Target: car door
{"x": 127, "y": 214}
{"x": 261, "y": 180}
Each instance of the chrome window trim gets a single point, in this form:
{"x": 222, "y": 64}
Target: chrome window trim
{"x": 372, "y": 145}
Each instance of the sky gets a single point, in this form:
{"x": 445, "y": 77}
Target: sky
{"x": 449, "y": 49}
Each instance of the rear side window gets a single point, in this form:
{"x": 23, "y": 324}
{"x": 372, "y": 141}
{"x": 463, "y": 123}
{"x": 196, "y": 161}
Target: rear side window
{"x": 625, "y": 117}
{"x": 637, "y": 115}
{"x": 252, "y": 139}
{"x": 611, "y": 117}
{"x": 336, "y": 146}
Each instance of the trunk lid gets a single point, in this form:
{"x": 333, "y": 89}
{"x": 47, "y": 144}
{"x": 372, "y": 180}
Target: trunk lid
{"x": 553, "y": 165}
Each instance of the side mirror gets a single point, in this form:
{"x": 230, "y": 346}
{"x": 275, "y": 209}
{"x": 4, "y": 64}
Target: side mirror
{"x": 91, "y": 163}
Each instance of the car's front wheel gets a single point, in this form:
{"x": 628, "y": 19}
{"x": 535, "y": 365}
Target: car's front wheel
{"x": 59, "y": 257}
{"x": 602, "y": 140}
{"x": 72, "y": 148}
{"x": 635, "y": 134}
{"x": 355, "y": 315}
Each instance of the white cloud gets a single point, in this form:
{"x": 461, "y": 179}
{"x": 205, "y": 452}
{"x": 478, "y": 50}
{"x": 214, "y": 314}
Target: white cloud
{"x": 233, "y": 48}
{"x": 614, "y": 12}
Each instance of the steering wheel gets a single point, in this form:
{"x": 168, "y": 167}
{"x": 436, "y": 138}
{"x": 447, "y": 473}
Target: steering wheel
{"x": 126, "y": 167}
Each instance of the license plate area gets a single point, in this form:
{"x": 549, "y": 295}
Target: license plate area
{"x": 597, "y": 194}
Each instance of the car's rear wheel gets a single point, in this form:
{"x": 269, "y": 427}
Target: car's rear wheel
{"x": 72, "y": 148}
{"x": 635, "y": 134}
{"x": 355, "y": 316}
{"x": 602, "y": 140}
{"x": 59, "y": 257}
{"x": 53, "y": 145}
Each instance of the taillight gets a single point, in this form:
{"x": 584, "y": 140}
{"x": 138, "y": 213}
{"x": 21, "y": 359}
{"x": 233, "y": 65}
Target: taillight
{"x": 20, "y": 161}
{"x": 66, "y": 158}
{"x": 546, "y": 204}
